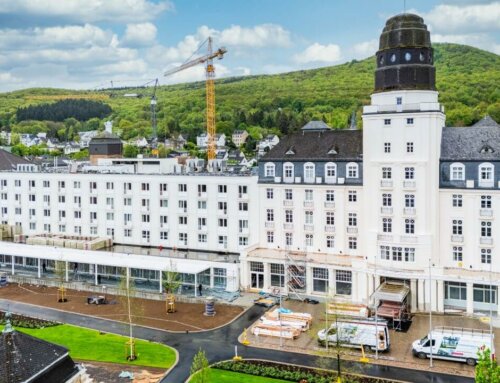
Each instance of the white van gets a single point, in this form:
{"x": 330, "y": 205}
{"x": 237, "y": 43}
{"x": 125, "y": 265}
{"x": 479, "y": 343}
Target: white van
{"x": 360, "y": 333}
{"x": 453, "y": 343}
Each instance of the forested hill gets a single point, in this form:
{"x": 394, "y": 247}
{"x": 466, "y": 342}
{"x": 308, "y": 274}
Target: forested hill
{"x": 467, "y": 78}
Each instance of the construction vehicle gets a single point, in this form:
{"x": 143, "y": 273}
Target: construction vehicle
{"x": 206, "y": 59}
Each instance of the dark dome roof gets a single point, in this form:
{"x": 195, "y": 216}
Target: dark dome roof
{"x": 405, "y": 30}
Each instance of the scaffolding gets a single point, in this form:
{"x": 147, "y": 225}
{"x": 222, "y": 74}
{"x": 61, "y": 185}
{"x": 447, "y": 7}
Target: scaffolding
{"x": 295, "y": 274}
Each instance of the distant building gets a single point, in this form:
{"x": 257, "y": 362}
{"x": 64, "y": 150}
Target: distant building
{"x": 10, "y": 162}
{"x": 140, "y": 142}
{"x": 71, "y": 148}
{"x": 239, "y": 137}
{"x": 105, "y": 145}
{"x": 202, "y": 140}
{"x": 85, "y": 137}
{"x": 267, "y": 144}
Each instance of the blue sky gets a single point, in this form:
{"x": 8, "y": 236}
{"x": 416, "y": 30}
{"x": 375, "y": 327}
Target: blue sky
{"x": 89, "y": 43}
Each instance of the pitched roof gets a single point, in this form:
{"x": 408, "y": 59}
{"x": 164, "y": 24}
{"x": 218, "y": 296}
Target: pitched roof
{"x": 9, "y": 161}
{"x": 316, "y": 126}
{"x": 326, "y": 145}
{"x": 480, "y": 141}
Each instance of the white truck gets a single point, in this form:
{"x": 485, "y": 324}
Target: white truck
{"x": 363, "y": 333}
{"x": 454, "y": 343}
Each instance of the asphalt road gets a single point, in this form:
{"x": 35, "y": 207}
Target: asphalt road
{"x": 219, "y": 345}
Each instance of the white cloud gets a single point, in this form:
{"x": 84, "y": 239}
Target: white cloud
{"x": 479, "y": 40}
{"x": 264, "y": 35}
{"x": 116, "y": 11}
{"x": 142, "y": 34}
{"x": 365, "y": 48}
{"x": 319, "y": 53}
{"x": 6, "y": 77}
{"x": 462, "y": 19}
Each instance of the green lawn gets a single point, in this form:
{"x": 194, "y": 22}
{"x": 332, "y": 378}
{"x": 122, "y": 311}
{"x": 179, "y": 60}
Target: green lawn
{"x": 85, "y": 344}
{"x": 222, "y": 376}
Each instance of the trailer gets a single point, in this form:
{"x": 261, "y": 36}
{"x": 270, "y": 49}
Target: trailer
{"x": 369, "y": 334}
{"x": 454, "y": 343}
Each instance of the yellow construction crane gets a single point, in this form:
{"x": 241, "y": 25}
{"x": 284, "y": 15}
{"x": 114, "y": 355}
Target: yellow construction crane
{"x": 206, "y": 59}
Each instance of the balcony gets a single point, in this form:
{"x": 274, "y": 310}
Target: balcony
{"x": 288, "y": 226}
{"x": 308, "y": 204}
{"x": 486, "y": 213}
{"x": 409, "y": 211}
{"x": 352, "y": 230}
{"x": 288, "y": 203}
{"x": 457, "y": 238}
{"x": 409, "y": 239}
{"x": 329, "y": 205}
{"x": 410, "y": 185}
{"x": 386, "y": 210}
{"x": 269, "y": 225}
{"x": 486, "y": 241}
{"x": 308, "y": 227}
{"x": 386, "y": 183}
{"x": 330, "y": 228}
{"x": 384, "y": 237}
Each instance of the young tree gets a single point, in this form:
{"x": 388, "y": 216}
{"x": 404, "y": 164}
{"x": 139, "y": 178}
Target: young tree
{"x": 171, "y": 281}
{"x": 200, "y": 370}
{"x": 487, "y": 369}
{"x": 60, "y": 272}
{"x": 126, "y": 291}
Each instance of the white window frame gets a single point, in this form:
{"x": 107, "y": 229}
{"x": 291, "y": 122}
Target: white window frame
{"x": 330, "y": 172}
{"x": 288, "y": 167}
{"x": 457, "y": 171}
{"x": 269, "y": 169}
{"x": 352, "y": 170}
{"x": 309, "y": 172}
{"x": 486, "y": 169}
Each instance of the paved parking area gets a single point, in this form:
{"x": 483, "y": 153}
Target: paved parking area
{"x": 400, "y": 353}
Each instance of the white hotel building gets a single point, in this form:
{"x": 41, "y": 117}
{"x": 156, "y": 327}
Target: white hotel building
{"x": 330, "y": 211}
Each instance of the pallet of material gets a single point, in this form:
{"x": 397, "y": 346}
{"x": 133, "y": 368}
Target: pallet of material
{"x": 299, "y": 325}
{"x": 348, "y": 309}
{"x": 276, "y": 331}
{"x": 292, "y": 317}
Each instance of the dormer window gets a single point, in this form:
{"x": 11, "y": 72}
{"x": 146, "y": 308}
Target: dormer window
{"x": 457, "y": 172}
{"x": 486, "y": 174}
{"x": 269, "y": 169}
{"x": 290, "y": 151}
{"x": 288, "y": 172}
{"x": 330, "y": 172}
{"x": 487, "y": 149}
{"x": 387, "y": 121}
{"x": 309, "y": 172}
{"x": 332, "y": 151}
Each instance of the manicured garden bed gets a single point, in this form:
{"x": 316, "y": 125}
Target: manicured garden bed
{"x": 91, "y": 345}
{"x": 222, "y": 376}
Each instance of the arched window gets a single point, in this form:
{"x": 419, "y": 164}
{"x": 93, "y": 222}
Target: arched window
{"x": 288, "y": 172}
{"x": 486, "y": 174}
{"x": 269, "y": 169}
{"x": 352, "y": 170}
{"x": 309, "y": 172}
{"x": 457, "y": 172}
{"x": 330, "y": 172}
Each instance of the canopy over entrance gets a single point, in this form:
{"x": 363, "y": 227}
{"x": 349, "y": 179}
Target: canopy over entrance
{"x": 391, "y": 292}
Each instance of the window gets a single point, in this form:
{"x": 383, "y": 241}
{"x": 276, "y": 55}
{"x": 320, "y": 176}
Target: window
{"x": 46, "y": 213}
{"x": 320, "y": 280}
{"x": 110, "y": 216}
{"x": 76, "y": 185}
{"x": 409, "y": 147}
{"x": 127, "y": 217}
{"x": 457, "y": 172}
{"x": 31, "y": 197}
{"x": 343, "y": 282}
{"x": 353, "y": 243}
{"x": 309, "y": 240}
{"x": 309, "y": 217}
{"x": 308, "y": 195}
{"x": 409, "y": 226}
{"x": 202, "y": 238}
{"x": 409, "y": 254}
{"x": 243, "y": 206}
{"x": 78, "y": 230}
{"x": 202, "y": 189}
{"x": 352, "y": 170}
{"x": 409, "y": 121}
{"x": 277, "y": 275}
{"x": 202, "y": 223}
{"x": 352, "y": 196}
{"x": 386, "y": 173}
{"x": 387, "y": 147}
{"x": 145, "y": 203}
{"x": 309, "y": 172}
{"x": 93, "y": 200}
{"x": 145, "y": 218}
{"x": 243, "y": 225}
{"x": 397, "y": 254}
{"x": 353, "y": 219}
{"x": 385, "y": 253}
{"x": 183, "y": 220}
{"x": 242, "y": 190}
{"x": 77, "y": 214}
{"x": 457, "y": 253}
{"x": 127, "y": 201}
{"x": 457, "y": 228}
{"x": 482, "y": 294}
{"x": 270, "y": 237}
{"x": 62, "y": 199}
{"x": 387, "y": 200}
{"x": 182, "y": 188}
{"x": 289, "y": 239}
{"x": 486, "y": 174}
{"x": 17, "y": 183}
{"x": 387, "y": 121}
{"x": 288, "y": 171}
{"x": 163, "y": 188}
{"x": 330, "y": 196}
{"x": 182, "y": 205}
{"x": 220, "y": 277}
{"x": 409, "y": 173}
{"x": 223, "y": 241}
{"x": 288, "y": 194}
{"x": 127, "y": 187}
{"x": 222, "y": 189}
{"x": 330, "y": 172}
{"x": 457, "y": 200}
{"x": 485, "y": 202}
{"x": 270, "y": 215}
{"x": 289, "y": 216}
{"x": 387, "y": 225}
{"x": 183, "y": 239}
{"x": 222, "y": 222}
{"x": 485, "y": 229}
{"x": 46, "y": 227}
{"x": 330, "y": 218}
{"x": 243, "y": 241}
{"x": 92, "y": 186}
{"x": 164, "y": 235}
{"x": 46, "y": 184}
{"x": 202, "y": 205}
{"x": 330, "y": 241}
{"x": 269, "y": 169}
{"x": 269, "y": 193}
{"x": 399, "y": 100}
{"x": 146, "y": 235}
{"x": 110, "y": 185}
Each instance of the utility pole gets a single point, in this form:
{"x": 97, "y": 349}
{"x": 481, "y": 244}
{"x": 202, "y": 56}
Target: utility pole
{"x": 430, "y": 311}
{"x": 376, "y": 311}
{"x": 491, "y": 314}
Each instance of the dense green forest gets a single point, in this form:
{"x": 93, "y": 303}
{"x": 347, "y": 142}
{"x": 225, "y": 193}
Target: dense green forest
{"x": 79, "y": 109}
{"x": 467, "y": 78}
